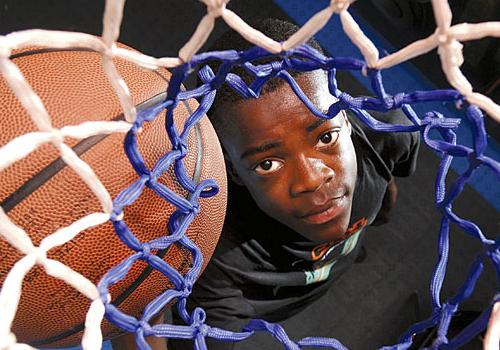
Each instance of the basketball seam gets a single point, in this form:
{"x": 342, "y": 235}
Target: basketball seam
{"x": 58, "y": 164}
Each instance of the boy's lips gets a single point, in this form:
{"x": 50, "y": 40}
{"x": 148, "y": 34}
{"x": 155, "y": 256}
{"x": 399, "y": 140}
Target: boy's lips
{"x": 324, "y": 213}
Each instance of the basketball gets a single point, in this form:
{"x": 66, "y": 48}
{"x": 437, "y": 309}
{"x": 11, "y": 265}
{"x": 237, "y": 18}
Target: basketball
{"x": 41, "y": 193}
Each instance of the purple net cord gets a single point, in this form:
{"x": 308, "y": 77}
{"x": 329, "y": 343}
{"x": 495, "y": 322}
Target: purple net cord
{"x": 303, "y": 58}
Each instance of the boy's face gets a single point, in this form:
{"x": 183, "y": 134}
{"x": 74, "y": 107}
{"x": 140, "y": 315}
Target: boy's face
{"x": 299, "y": 169}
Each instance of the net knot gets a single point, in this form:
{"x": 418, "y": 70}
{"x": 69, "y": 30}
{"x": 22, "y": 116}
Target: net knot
{"x": 474, "y": 161}
{"x": 276, "y": 67}
{"x": 449, "y": 308}
{"x": 440, "y": 339}
{"x": 146, "y": 250}
{"x": 446, "y": 313}
{"x": 203, "y": 329}
{"x": 116, "y": 215}
{"x": 431, "y": 120}
{"x": 436, "y": 120}
{"x": 147, "y": 179}
{"x": 56, "y": 137}
{"x": 215, "y": 8}
{"x": 397, "y": 100}
{"x": 39, "y": 254}
{"x": 137, "y": 125}
{"x": 443, "y": 36}
{"x": 181, "y": 147}
{"x": 339, "y": 5}
{"x": 187, "y": 289}
{"x": 346, "y": 101}
{"x": 198, "y": 322}
{"x": 194, "y": 208}
{"x": 104, "y": 294}
{"x": 110, "y": 50}
{"x": 145, "y": 327}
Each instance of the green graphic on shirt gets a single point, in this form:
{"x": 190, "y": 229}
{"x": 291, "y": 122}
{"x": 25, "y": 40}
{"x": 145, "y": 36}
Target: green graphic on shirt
{"x": 320, "y": 274}
{"x": 350, "y": 243}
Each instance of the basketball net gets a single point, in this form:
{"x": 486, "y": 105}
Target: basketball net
{"x": 447, "y": 39}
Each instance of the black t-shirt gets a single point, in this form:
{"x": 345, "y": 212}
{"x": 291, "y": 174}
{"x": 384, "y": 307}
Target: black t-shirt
{"x": 263, "y": 269}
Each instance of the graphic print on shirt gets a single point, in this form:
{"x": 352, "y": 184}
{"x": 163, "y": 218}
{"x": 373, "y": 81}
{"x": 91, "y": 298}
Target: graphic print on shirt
{"x": 320, "y": 252}
{"x": 325, "y": 251}
{"x": 319, "y": 274}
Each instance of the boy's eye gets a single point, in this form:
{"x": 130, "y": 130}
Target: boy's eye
{"x": 329, "y": 138}
{"x": 267, "y": 166}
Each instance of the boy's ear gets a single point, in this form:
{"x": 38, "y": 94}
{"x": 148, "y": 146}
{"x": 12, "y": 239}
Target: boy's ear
{"x": 231, "y": 171}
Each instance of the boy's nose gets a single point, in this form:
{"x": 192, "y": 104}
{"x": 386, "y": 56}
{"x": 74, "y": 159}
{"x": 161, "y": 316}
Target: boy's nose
{"x": 309, "y": 175}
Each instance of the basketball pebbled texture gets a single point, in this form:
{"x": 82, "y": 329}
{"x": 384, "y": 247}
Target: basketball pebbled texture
{"x": 41, "y": 194}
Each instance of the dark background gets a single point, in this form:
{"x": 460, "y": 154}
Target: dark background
{"x": 379, "y": 298}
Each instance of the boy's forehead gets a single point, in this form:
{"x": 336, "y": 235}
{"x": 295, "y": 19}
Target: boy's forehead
{"x": 313, "y": 84}
{"x": 281, "y": 102}
{"x": 276, "y": 112}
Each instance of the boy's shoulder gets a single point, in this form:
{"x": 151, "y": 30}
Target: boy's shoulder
{"x": 398, "y": 150}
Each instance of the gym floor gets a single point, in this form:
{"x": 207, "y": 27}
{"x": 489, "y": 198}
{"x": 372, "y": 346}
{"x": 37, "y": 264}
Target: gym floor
{"x": 378, "y": 298}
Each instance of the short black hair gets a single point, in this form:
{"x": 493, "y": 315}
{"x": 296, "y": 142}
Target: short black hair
{"x": 276, "y": 29}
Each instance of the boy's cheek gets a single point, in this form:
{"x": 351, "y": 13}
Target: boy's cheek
{"x": 269, "y": 200}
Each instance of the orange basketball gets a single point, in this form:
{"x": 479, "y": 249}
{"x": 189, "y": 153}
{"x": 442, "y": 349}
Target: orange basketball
{"x": 40, "y": 193}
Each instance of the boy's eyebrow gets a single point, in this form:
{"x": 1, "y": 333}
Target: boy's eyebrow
{"x": 273, "y": 144}
{"x": 316, "y": 124}
{"x": 259, "y": 149}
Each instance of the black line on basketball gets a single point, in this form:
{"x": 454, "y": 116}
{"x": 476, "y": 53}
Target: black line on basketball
{"x": 57, "y": 165}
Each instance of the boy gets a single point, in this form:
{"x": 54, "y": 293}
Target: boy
{"x": 301, "y": 192}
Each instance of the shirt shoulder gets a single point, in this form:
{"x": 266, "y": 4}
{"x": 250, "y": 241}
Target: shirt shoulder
{"x": 397, "y": 150}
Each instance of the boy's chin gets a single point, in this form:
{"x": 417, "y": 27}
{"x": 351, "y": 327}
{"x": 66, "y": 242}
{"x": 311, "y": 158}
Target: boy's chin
{"x": 335, "y": 231}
